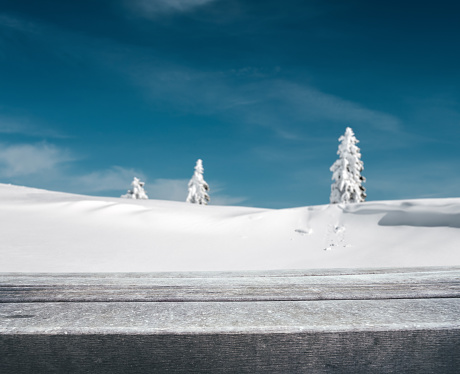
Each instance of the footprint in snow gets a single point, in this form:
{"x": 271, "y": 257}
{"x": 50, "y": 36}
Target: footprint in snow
{"x": 304, "y": 232}
{"x": 335, "y": 237}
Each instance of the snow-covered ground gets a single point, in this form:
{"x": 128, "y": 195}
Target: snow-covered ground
{"x": 44, "y": 231}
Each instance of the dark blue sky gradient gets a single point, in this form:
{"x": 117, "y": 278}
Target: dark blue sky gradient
{"x": 96, "y": 92}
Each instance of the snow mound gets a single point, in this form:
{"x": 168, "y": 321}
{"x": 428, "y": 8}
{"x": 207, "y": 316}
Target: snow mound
{"x": 44, "y": 231}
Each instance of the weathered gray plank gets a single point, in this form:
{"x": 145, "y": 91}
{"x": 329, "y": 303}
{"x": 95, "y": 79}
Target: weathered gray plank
{"x": 225, "y": 317}
{"x": 402, "y": 351}
{"x": 251, "y": 286}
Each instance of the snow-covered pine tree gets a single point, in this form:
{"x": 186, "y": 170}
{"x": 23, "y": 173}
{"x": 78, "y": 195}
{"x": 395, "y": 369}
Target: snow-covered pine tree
{"x": 137, "y": 191}
{"x": 197, "y": 187}
{"x": 346, "y": 172}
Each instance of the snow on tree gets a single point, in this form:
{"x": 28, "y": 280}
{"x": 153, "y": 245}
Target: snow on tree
{"x": 137, "y": 191}
{"x": 346, "y": 172}
{"x": 197, "y": 187}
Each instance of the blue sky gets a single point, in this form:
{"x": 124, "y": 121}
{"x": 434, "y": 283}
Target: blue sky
{"x": 94, "y": 93}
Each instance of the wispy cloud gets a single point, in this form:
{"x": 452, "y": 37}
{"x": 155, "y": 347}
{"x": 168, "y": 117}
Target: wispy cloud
{"x": 149, "y": 8}
{"x": 114, "y": 178}
{"x": 118, "y": 179}
{"x": 51, "y": 167}
{"x": 227, "y": 200}
{"x": 9, "y": 126}
{"x": 10, "y": 22}
{"x": 168, "y": 189}
{"x": 26, "y": 126}
{"x": 176, "y": 190}
{"x": 309, "y": 102}
{"x": 281, "y": 105}
{"x": 259, "y": 98}
{"x": 31, "y": 159}
{"x": 219, "y": 197}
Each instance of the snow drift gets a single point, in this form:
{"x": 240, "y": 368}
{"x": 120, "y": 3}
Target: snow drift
{"x": 44, "y": 231}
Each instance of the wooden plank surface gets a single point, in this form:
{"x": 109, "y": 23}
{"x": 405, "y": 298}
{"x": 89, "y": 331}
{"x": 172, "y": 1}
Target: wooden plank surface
{"x": 312, "y": 321}
{"x": 225, "y": 317}
{"x": 250, "y": 286}
{"x": 366, "y": 352}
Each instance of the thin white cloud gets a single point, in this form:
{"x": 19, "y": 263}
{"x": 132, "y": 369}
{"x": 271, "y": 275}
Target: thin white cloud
{"x": 283, "y": 106}
{"x": 11, "y": 127}
{"x": 227, "y": 200}
{"x": 114, "y": 178}
{"x": 49, "y": 166}
{"x": 120, "y": 178}
{"x": 24, "y": 126}
{"x": 19, "y": 24}
{"x": 168, "y": 189}
{"x": 30, "y": 159}
{"x": 176, "y": 190}
{"x": 310, "y": 102}
{"x": 149, "y": 8}
{"x": 218, "y": 196}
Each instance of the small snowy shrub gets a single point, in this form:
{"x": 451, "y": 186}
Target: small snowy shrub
{"x": 197, "y": 187}
{"x": 137, "y": 191}
{"x": 346, "y": 172}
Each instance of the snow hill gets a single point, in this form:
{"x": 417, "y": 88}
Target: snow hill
{"x": 44, "y": 231}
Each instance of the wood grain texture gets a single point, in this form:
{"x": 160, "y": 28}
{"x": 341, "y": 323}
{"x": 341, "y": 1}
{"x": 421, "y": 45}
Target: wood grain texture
{"x": 417, "y": 352}
{"x": 318, "y": 321}
{"x": 250, "y": 286}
